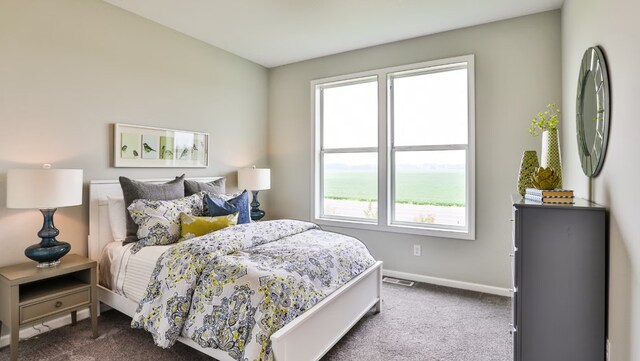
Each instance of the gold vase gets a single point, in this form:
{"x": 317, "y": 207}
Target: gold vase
{"x": 551, "y": 152}
{"x": 528, "y": 165}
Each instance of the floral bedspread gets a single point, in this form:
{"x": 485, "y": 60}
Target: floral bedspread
{"x": 232, "y": 289}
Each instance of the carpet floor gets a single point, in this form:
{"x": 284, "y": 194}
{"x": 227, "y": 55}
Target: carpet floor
{"x": 420, "y": 323}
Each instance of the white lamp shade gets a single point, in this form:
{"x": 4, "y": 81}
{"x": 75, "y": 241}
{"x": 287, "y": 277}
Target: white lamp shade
{"x": 44, "y": 188}
{"x": 254, "y": 179}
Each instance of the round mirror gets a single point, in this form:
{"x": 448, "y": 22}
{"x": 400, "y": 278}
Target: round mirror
{"x": 592, "y": 111}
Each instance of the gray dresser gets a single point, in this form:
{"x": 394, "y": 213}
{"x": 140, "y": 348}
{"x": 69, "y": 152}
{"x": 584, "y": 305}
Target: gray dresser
{"x": 560, "y": 281}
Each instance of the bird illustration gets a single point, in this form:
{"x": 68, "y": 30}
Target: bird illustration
{"x": 147, "y": 148}
{"x": 124, "y": 148}
{"x": 135, "y": 153}
{"x": 184, "y": 153}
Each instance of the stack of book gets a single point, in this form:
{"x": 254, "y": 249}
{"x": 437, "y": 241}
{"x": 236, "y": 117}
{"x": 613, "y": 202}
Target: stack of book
{"x": 554, "y": 196}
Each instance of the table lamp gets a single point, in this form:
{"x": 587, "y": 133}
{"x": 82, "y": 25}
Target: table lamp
{"x": 45, "y": 189}
{"x": 255, "y": 179}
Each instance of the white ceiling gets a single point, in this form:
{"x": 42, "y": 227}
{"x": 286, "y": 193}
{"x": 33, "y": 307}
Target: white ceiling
{"x": 278, "y": 32}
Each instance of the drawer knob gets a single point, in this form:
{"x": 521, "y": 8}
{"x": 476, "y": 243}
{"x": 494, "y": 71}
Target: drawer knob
{"x": 58, "y": 304}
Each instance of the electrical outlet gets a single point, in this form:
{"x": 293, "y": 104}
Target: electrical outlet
{"x": 608, "y": 350}
{"x": 417, "y": 250}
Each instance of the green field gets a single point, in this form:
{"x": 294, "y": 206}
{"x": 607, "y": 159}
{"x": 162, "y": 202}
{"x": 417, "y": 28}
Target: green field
{"x": 441, "y": 188}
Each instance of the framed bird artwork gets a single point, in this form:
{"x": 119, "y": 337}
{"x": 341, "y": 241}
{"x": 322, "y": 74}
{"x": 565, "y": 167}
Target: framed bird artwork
{"x": 143, "y": 146}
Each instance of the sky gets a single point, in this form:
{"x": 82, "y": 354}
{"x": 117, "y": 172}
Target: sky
{"x": 428, "y": 109}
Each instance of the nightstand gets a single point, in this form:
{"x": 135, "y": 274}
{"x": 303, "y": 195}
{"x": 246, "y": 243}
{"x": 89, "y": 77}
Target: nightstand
{"x": 29, "y": 295}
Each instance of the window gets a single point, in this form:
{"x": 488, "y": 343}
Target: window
{"x": 349, "y": 152}
{"x": 394, "y": 149}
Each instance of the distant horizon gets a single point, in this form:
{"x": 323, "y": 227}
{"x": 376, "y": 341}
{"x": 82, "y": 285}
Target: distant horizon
{"x": 444, "y": 187}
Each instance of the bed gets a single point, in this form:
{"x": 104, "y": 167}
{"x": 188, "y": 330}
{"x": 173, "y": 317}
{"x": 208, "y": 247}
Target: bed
{"x": 307, "y": 337}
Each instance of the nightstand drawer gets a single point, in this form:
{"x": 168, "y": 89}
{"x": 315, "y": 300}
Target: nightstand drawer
{"x": 54, "y": 305}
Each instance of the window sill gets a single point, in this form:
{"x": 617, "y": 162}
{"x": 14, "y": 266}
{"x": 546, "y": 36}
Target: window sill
{"x": 402, "y": 229}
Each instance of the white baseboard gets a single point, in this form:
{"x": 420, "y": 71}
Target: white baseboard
{"x": 449, "y": 283}
{"x": 38, "y": 328}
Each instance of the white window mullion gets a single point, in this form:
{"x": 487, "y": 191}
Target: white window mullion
{"x": 383, "y": 174}
{"x": 350, "y": 150}
{"x": 420, "y": 148}
{"x": 392, "y": 187}
{"x": 390, "y": 164}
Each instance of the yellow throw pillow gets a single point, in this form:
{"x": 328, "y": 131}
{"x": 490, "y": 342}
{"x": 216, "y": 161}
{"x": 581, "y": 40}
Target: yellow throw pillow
{"x": 193, "y": 226}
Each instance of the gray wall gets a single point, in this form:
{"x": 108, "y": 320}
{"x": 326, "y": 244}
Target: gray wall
{"x": 614, "y": 26}
{"x": 517, "y": 74}
{"x": 71, "y": 68}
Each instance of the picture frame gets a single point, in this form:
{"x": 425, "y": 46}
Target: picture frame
{"x": 142, "y": 146}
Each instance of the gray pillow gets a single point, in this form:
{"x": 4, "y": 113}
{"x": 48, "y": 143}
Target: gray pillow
{"x": 132, "y": 190}
{"x": 216, "y": 187}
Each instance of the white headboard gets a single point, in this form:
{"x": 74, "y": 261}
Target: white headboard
{"x": 99, "y": 227}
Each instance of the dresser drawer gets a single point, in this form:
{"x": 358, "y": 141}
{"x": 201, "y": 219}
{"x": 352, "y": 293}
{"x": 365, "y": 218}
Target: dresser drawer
{"x": 54, "y": 305}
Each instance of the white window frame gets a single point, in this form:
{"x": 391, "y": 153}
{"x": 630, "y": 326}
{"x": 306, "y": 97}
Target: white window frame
{"x": 385, "y": 148}
{"x": 350, "y": 150}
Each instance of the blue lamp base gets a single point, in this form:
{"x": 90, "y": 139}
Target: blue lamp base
{"x": 256, "y": 213}
{"x": 49, "y": 251}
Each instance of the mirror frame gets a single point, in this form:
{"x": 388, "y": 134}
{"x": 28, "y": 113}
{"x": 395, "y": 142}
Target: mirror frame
{"x": 593, "y": 66}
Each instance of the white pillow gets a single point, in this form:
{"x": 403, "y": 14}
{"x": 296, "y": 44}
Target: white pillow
{"x": 117, "y": 218}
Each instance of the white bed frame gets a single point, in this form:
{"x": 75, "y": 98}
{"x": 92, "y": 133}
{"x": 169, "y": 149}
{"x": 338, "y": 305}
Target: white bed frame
{"x": 307, "y": 337}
